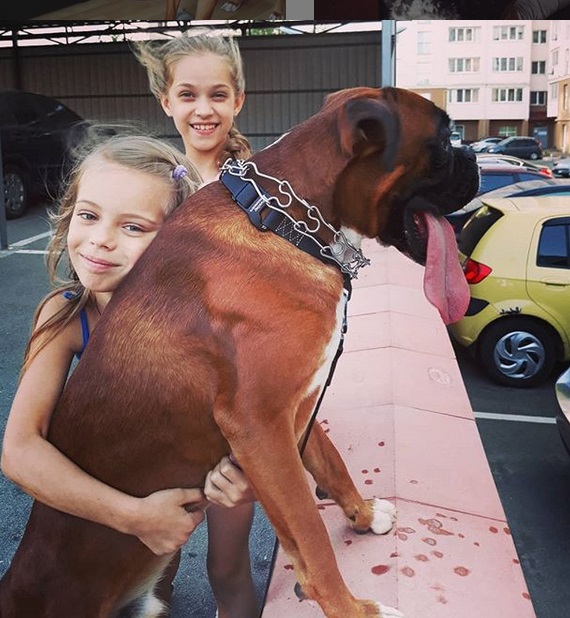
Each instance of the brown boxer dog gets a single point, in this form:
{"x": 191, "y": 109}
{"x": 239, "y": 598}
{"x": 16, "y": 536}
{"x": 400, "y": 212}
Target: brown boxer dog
{"x": 221, "y": 338}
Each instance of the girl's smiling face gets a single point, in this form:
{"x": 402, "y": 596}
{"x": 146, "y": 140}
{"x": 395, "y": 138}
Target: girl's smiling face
{"x": 117, "y": 213}
{"x": 203, "y": 103}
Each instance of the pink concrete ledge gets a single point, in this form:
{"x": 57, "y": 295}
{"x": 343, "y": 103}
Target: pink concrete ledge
{"x": 399, "y": 414}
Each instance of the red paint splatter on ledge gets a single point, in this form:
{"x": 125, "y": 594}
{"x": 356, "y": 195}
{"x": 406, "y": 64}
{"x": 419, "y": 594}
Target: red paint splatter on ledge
{"x": 408, "y": 530}
{"x": 408, "y": 571}
{"x": 461, "y": 571}
{"x": 380, "y": 569}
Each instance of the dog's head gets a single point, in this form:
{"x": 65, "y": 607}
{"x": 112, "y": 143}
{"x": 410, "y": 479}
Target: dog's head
{"x": 401, "y": 176}
{"x": 400, "y": 165}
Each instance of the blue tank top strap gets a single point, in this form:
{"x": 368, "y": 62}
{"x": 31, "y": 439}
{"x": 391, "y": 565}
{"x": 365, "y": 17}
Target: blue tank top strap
{"x": 84, "y": 329}
{"x": 84, "y": 322}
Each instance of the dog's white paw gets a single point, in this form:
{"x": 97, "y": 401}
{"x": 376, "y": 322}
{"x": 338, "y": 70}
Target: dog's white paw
{"x": 384, "y": 516}
{"x": 389, "y": 612}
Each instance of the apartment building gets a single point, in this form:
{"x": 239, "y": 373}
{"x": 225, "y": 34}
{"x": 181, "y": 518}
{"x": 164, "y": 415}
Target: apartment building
{"x": 492, "y": 77}
{"x": 558, "y": 105}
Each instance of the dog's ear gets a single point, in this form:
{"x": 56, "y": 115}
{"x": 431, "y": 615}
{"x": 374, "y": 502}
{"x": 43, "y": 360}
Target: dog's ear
{"x": 369, "y": 123}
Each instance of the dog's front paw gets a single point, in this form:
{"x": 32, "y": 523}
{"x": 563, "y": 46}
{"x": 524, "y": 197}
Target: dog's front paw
{"x": 384, "y": 516}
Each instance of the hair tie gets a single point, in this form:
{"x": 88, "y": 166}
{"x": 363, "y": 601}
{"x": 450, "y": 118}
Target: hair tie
{"x": 179, "y": 172}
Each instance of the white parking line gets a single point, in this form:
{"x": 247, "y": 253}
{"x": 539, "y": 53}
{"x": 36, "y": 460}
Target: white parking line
{"x": 515, "y": 417}
{"x": 15, "y": 247}
{"x": 30, "y": 240}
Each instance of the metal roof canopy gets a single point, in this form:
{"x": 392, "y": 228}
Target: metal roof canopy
{"x": 15, "y": 34}
{"x": 72, "y": 32}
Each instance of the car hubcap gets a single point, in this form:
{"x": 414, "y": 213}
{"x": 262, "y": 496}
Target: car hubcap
{"x": 519, "y": 355}
{"x": 14, "y": 192}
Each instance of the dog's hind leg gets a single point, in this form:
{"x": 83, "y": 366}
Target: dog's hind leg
{"x": 326, "y": 466}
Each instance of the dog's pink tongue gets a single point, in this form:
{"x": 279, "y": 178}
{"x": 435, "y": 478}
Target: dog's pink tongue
{"x": 445, "y": 285}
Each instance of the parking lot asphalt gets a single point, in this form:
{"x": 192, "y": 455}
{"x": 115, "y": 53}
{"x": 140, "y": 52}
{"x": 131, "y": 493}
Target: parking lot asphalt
{"x": 23, "y": 282}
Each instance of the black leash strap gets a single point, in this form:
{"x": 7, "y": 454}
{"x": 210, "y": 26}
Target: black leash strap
{"x": 252, "y": 199}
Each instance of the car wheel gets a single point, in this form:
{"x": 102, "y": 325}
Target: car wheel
{"x": 517, "y": 352}
{"x": 15, "y": 192}
{"x": 534, "y": 156}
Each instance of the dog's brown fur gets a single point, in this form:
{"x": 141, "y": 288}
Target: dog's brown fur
{"x": 212, "y": 344}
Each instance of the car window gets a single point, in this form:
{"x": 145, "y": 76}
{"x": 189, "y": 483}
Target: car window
{"x": 476, "y": 227}
{"x": 6, "y": 115}
{"x": 494, "y": 181}
{"x": 553, "y": 246}
{"x": 25, "y": 110}
{"x": 524, "y": 176}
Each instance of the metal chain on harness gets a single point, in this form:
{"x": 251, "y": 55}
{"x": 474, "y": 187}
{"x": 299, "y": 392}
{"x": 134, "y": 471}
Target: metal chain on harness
{"x": 341, "y": 251}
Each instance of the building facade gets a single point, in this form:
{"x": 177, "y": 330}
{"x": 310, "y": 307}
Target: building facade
{"x": 496, "y": 77}
{"x": 559, "y": 82}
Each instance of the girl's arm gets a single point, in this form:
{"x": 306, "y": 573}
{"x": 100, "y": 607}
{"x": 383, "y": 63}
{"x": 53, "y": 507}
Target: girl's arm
{"x": 160, "y": 520}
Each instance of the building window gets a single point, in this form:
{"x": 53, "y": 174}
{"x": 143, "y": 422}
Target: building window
{"x": 538, "y": 67}
{"x": 555, "y": 58}
{"x": 508, "y": 64}
{"x": 507, "y": 95}
{"x": 507, "y": 131}
{"x": 463, "y": 95}
{"x": 538, "y": 97}
{"x": 424, "y": 43}
{"x": 565, "y": 97}
{"x": 424, "y": 73}
{"x": 508, "y": 33}
{"x": 463, "y": 65}
{"x": 539, "y": 36}
{"x": 460, "y": 35}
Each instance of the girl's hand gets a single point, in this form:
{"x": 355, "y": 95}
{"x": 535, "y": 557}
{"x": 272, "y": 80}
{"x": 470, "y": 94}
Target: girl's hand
{"x": 226, "y": 485}
{"x": 164, "y": 520}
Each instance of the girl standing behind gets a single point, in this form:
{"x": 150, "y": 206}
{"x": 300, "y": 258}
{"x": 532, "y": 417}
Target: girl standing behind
{"x": 198, "y": 80}
{"x": 116, "y": 200}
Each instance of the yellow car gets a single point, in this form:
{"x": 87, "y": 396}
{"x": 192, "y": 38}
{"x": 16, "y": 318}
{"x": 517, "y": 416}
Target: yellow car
{"x": 515, "y": 254}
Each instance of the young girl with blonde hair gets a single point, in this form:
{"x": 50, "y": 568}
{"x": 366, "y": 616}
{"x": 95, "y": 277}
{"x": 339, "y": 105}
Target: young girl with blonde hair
{"x": 116, "y": 200}
{"x": 198, "y": 80}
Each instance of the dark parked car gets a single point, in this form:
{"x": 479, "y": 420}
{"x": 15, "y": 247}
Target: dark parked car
{"x": 523, "y": 147}
{"x": 37, "y": 133}
{"x": 507, "y": 181}
{"x": 561, "y": 168}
